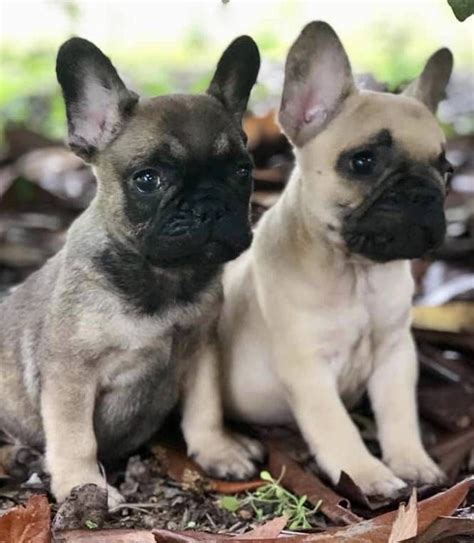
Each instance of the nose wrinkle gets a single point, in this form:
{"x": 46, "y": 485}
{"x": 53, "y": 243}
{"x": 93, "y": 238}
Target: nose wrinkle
{"x": 387, "y": 188}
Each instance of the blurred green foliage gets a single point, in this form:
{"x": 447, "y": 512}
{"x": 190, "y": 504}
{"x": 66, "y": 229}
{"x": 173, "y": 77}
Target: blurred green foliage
{"x": 393, "y": 53}
{"x": 462, "y": 9}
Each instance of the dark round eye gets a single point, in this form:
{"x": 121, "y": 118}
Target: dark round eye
{"x": 243, "y": 171}
{"x": 147, "y": 181}
{"x": 363, "y": 162}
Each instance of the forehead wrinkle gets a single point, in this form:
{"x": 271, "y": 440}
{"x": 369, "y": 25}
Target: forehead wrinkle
{"x": 380, "y": 138}
{"x": 370, "y": 112}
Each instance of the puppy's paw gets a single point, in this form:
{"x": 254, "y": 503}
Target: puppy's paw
{"x": 229, "y": 456}
{"x": 114, "y": 498}
{"x": 416, "y": 467}
{"x": 375, "y": 479}
{"x": 61, "y": 487}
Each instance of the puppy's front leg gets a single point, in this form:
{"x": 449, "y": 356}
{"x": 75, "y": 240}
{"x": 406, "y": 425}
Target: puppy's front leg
{"x": 392, "y": 391}
{"x": 326, "y": 425}
{"x": 67, "y": 408}
{"x": 220, "y": 453}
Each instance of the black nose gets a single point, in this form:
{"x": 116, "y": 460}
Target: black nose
{"x": 422, "y": 197}
{"x": 207, "y": 210}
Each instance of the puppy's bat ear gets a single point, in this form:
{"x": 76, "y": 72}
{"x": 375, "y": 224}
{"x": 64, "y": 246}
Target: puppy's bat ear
{"x": 97, "y": 101}
{"x": 430, "y": 86}
{"x": 235, "y": 75}
{"x": 318, "y": 78}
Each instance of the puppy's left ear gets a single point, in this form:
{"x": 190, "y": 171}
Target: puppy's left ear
{"x": 235, "y": 75}
{"x": 430, "y": 86}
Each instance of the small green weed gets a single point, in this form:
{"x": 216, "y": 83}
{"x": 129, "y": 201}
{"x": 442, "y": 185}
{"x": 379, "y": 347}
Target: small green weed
{"x": 272, "y": 500}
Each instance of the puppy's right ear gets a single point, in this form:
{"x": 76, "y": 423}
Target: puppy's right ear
{"x": 318, "y": 77}
{"x": 235, "y": 76}
{"x": 97, "y": 101}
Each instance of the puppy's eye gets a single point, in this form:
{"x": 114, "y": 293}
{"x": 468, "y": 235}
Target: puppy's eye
{"x": 243, "y": 171}
{"x": 363, "y": 162}
{"x": 147, "y": 181}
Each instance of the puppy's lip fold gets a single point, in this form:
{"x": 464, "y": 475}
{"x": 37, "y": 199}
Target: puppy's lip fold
{"x": 184, "y": 244}
{"x": 402, "y": 218}
{"x": 202, "y": 226}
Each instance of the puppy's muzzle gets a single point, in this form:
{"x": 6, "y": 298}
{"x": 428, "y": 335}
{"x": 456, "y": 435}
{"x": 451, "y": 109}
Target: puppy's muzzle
{"x": 402, "y": 218}
{"x": 190, "y": 216}
{"x": 203, "y": 226}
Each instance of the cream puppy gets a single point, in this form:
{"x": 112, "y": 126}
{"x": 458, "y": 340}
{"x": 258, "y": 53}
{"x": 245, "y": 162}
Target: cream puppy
{"x": 317, "y": 311}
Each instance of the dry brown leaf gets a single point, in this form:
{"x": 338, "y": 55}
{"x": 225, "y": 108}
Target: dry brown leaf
{"x": 261, "y": 129}
{"x": 378, "y": 529}
{"x": 168, "y": 536}
{"x": 458, "y": 342}
{"x": 183, "y": 469}
{"x": 270, "y": 529}
{"x": 3, "y": 474}
{"x": 406, "y": 522}
{"x": 451, "y": 450}
{"x": 452, "y": 317}
{"x": 104, "y": 536}
{"x": 445, "y": 527}
{"x": 348, "y": 488}
{"x": 233, "y": 487}
{"x": 442, "y": 504}
{"x": 27, "y": 524}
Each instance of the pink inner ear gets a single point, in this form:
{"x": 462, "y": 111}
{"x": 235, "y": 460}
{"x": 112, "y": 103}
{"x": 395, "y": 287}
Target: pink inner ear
{"x": 94, "y": 127}
{"x": 301, "y": 106}
{"x": 317, "y": 114}
{"x": 308, "y": 108}
{"x": 98, "y": 118}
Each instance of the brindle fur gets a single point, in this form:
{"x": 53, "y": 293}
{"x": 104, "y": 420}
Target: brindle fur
{"x": 94, "y": 346}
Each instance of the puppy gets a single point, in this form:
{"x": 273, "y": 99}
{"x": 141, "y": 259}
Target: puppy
{"x": 317, "y": 311}
{"x": 94, "y": 346}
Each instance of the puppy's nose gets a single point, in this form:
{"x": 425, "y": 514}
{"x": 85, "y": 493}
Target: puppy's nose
{"x": 207, "y": 210}
{"x": 206, "y": 185}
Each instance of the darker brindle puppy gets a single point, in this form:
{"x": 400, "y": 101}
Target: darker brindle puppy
{"x": 94, "y": 346}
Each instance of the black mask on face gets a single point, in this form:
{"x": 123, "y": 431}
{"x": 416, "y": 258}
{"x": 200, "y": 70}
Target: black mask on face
{"x": 402, "y": 218}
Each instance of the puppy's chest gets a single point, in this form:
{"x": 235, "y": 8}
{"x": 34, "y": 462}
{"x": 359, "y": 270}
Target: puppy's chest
{"x": 129, "y": 348}
{"x": 368, "y": 314}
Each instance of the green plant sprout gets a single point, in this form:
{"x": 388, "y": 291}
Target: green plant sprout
{"x": 272, "y": 500}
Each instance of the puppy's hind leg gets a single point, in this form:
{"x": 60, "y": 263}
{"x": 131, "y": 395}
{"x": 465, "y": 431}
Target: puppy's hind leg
{"x": 20, "y": 461}
{"x": 217, "y": 451}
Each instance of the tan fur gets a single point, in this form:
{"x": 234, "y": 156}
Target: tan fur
{"x": 307, "y": 326}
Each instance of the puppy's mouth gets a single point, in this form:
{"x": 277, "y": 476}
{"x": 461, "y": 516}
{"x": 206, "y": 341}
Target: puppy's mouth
{"x": 201, "y": 227}
{"x": 402, "y": 220}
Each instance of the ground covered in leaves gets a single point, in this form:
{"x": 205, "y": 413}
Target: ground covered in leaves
{"x": 170, "y": 499}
